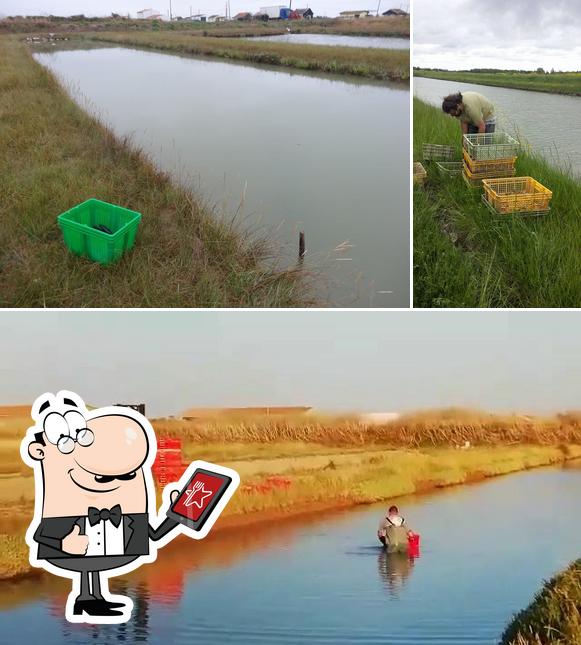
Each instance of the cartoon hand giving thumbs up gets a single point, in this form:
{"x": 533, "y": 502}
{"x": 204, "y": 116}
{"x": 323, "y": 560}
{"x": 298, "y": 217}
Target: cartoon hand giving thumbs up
{"x": 74, "y": 542}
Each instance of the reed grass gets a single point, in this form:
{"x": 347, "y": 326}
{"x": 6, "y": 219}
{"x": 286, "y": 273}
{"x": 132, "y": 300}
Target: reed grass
{"x": 466, "y": 257}
{"x": 437, "y": 428}
{"x": 383, "y": 64}
{"x": 13, "y": 557}
{"x": 54, "y": 155}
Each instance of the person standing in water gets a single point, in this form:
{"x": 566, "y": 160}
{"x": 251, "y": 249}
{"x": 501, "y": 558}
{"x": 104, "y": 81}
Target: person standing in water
{"x": 475, "y": 112}
{"x": 392, "y": 533}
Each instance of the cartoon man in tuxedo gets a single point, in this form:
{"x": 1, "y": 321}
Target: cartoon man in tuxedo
{"x": 94, "y": 497}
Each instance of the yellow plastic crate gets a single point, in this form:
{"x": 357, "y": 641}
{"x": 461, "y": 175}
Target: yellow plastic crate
{"x": 478, "y": 167}
{"x": 517, "y": 195}
{"x": 472, "y": 183}
{"x": 493, "y": 174}
{"x": 420, "y": 173}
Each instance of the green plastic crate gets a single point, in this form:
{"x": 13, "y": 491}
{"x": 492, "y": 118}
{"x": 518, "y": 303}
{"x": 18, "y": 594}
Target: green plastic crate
{"x": 82, "y": 239}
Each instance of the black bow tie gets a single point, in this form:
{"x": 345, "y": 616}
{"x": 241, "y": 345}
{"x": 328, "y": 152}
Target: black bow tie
{"x": 95, "y": 515}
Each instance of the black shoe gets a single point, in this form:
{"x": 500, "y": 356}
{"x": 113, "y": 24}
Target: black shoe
{"x": 112, "y": 605}
{"x": 95, "y": 608}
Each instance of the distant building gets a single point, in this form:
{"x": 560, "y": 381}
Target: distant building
{"x": 138, "y": 407}
{"x": 395, "y": 12}
{"x": 212, "y": 413}
{"x": 276, "y": 12}
{"x": 199, "y": 17}
{"x": 149, "y": 14}
{"x": 216, "y": 19}
{"x": 243, "y": 15}
{"x": 360, "y": 13}
{"x": 302, "y": 14}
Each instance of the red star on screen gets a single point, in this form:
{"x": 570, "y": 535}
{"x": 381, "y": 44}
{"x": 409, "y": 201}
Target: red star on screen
{"x": 197, "y": 495}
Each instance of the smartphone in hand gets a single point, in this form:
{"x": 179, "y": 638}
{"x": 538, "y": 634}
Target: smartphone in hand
{"x": 197, "y": 502}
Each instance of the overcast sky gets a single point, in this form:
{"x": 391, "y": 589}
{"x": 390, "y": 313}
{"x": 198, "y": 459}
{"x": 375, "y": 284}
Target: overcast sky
{"x": 181, "y": 7}
{"x": 503, "y": 34}
{"x": 368, "y": 361}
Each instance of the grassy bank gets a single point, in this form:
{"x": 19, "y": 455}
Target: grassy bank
{"x": 55, "y": 156}
{"x": 383, "y": 64}
{"x": 465, "y": 257}
{"x": 556, "y": 83}
{"x": 295, "y": 466}
{"x": 554, "y": 616}
{"x": 395, "y": 26}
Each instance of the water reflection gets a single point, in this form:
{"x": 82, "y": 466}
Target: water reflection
{"x": 137, "y": 630}
{"x": 337, "y": 40}
{"x": 394, "y": 570}
{"x": 323, "y": 578}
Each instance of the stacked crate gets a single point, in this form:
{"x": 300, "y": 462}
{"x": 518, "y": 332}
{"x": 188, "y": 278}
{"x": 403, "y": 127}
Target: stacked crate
{"x": 168, "y": 465}
{"x": 489, "y": 156}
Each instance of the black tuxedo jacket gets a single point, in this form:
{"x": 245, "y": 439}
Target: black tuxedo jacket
{"x": 136, "y": 532}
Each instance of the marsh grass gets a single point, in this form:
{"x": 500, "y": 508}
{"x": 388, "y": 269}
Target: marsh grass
{"x": 466, "y": 257}
{"x": 54, "y": 155}
{"x": 383, "y": 64}
{"x": 396, "y": 26}
{"x": 556, "y": 83}
{"x": 554, "y": 616}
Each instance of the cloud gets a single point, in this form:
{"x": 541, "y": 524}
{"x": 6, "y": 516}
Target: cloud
{"x": 522, "y": 34}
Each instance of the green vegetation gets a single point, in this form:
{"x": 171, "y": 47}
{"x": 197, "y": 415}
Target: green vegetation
{"x": 554, "y": 83}
{"x": 395, "y": 26}
{"x": 384, "y": 64}
{"x": 54, "y": 156}
{"x": 466, "y": 257}
{"x": 554, "y": 616}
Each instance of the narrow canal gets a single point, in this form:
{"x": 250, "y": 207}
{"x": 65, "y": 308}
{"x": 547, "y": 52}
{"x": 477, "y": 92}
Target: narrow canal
{"x": 277, "y": 151}
{"x": 323, "y": 579}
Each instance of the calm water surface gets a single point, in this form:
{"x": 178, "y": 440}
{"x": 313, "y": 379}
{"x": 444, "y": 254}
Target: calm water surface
{"x": 283, "y": 151}
{"x": 337, "y": 40}
{"x": 322, "y": 580}
{"x": 551, "y": 123}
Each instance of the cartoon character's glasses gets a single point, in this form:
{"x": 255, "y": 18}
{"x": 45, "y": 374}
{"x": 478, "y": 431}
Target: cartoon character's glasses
{"x": 66, "y": 443}
{"x": 67, "y": 430}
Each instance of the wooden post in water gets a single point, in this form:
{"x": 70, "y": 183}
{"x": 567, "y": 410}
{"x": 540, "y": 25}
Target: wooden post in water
{"x": 302, "y": 247}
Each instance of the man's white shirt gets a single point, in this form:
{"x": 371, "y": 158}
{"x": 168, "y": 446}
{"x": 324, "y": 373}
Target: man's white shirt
{"x": 105, "y": 538}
